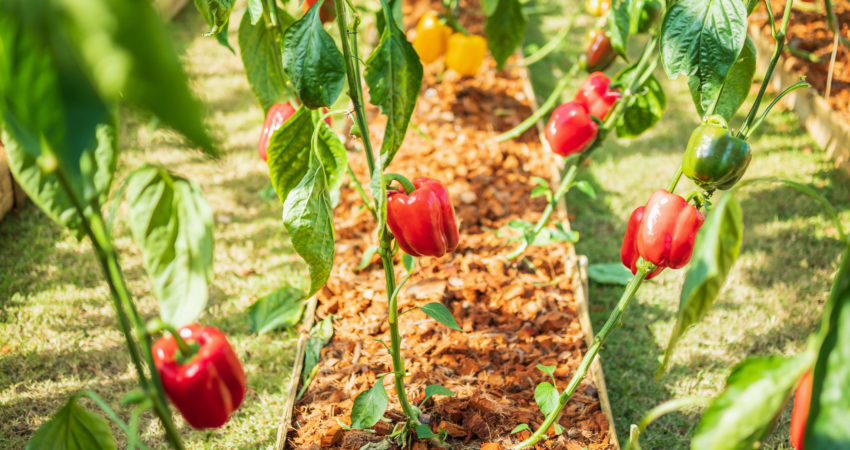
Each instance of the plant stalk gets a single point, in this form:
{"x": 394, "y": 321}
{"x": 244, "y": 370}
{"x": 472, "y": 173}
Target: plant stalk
{"x": 612, "y": 323}
{"x": 544, "y": 109}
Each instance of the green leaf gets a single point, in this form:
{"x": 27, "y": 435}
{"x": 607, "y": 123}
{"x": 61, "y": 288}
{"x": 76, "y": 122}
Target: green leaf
{"x": 745, "y": 412}
{"x": 643, "y": 110}
{"x": 216, "y": 13}
{"x": 559, "y": 429}
{"x": 610, "y": 273}
{"x": 702, "y": 39}
{"x": 441, "y": 314}
{"x": 409, "y": 262}
{"x": 254, "y": 11}
{"x": 546, "y": 397}
{"x": 221, "y": 38}
{"x": 619, "y": 25}
{"x": 489, "y": 6}
{"x": 172, "y": 223}
{"x": 505, "y": 28}
{"x": 261, "y": 58}
{"x": 717, "y": 246}
{"x": 548, "y": 370}
{"x": 586, "y": 188}
{"x": 320, "y": 335}
{"x": 73, "y": 428}
{"x": 308, "y": 218}
{"x": 289, "y": 152}
{"x": 436, "y": 389}
{"x": 313, "y": 62}
{"x": 366, "y": 259}
{"x": 826, "y": 427}
{"x": 549, "y": 235}
{"x": 333, "y": 156}
{"x": 369, "y": 406}
{"x": 424, "y": 431}
{"x": 394, "y": 76}
{"x": 735, "y": 88}
{"x": 520, "y": 427}
{"x": 395, "y": 8}
{"x": 280, "y": 309}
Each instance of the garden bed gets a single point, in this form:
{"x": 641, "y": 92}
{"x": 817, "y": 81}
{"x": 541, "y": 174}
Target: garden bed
{"x": 514, "y": 315}
{"x": 826, "y": 119}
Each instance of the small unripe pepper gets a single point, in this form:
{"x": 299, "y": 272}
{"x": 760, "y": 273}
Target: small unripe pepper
{"x": 668, "y": 229}
{"x": 210, "y": 384}
{"x": 423, "y": 221}
{"x": 714, "y": 159}
{"x": 596, "y": 95}
{"x": 628, "y": 251}
{"x": 800, "y": 413}
{"x": 432, "y": 37}
{"x": 277, "y": 115}
{"x": 597, "y": 7}
{"x": 598, "y": 53}
{"x": 570, "y": 129}
{"x": 327, "y": 12}
{"x": 466, "y": 53}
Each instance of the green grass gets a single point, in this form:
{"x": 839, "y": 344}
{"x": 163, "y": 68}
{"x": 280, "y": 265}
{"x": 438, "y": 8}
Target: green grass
{"x": 775, "y": 292}
{"x": 58, "y": 333}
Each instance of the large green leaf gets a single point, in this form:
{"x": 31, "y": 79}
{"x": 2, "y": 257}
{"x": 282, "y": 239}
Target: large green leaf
{"x": 320, "y": 335}
{"x": 261, "y": 57}
{"x": 369, "y": 406}
{"x": 394, "y": 77}
{"x": 505, "y": 28}
{"x": 308, "y": 218}
{"x": 172, "y": 223}
{"x": 735, "y": 88}
{"x": 745, "y": 412}
{"x": 643, "y": 110}
{"x": 702, "y": 39}
{"x": 280, "y": 309}
{"x": 619, "y": 25}
{"x": 216, "y": 14}
{"x": 829, "y": 411}
{"x": 73, "y": 428}
{"x": 313, "y": 62}
{"x": 717, "y": 247}
{"x": 289, "y": 152}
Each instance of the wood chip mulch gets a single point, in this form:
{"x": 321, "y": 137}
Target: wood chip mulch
{"x": 808, "y": 30}
{"x": 513, "y": 317}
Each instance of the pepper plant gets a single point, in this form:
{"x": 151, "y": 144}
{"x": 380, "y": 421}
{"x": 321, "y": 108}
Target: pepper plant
{"x": 64, "y": 68}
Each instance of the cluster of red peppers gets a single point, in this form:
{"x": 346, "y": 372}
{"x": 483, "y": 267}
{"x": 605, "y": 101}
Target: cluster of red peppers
{"x": 422, "y": 220}
{"x": 663, "y": 233}
{"x": 572, "y": 127}
{"x": 204, "y": 380}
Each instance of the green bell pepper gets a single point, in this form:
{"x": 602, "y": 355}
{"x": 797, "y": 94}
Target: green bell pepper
{"x": 714, "y": 159}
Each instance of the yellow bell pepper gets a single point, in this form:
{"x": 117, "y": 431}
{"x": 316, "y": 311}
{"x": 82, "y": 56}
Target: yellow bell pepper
{"x": 597, "y": 7}
{"x": 432, "y": 37}
{"x": 466, "y": 53}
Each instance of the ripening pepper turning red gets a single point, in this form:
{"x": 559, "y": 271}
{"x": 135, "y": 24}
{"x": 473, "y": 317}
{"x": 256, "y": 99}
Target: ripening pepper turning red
{"x": 714, "y": 159}
{"x": 423, "y": 221}
{"x": 596, "y": 95}
{"x": 598, "y": 53}
{"x": 628, "y": 251}
{"x": 466, "y": 53}
{"x": 207, "y": 387}
{"x": 432, "y": 37}
{"x": 802, "y": 399}
{"x": 327, "y": 12}
{"x": 597, "y": 7}
{"x": 278, "y": 113}
{"x": 668, "y": 229}
{"x": 570, "y": 129}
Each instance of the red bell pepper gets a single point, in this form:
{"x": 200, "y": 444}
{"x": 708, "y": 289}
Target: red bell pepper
{"x": 595, "y": 94}
{"x": 277, "y": 115}
{"x": 207, "y": 387}
{"x": 800, "y": 413}
{"x": 327, "y": 12}
{"x": 629, "y": 252}
{"x": 668, "y": 229}
{"x": 570, "y": 129}
{"x": 423, "y": 221}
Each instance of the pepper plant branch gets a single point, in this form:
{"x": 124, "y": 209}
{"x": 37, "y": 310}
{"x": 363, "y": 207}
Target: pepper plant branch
{"x": 675, "y": 180}
{"x": 548, "y": 47}
{"x": 612, "y": 323}
{"x": 359, "y": 188}
{"x": 544, "y": 109}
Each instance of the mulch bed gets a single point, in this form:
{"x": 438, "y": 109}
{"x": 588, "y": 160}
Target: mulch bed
{"x": 513, "y": 317}
{"x": 808, "y": 30}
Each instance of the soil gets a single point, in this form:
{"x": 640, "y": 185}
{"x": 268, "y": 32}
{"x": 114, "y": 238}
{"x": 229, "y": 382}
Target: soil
{"x": 808, "y": 31}
{"x": 513, "y": 317}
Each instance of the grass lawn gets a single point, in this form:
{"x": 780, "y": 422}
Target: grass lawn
{"x": 58, "y": 333}
{"x": 776, "y": 290}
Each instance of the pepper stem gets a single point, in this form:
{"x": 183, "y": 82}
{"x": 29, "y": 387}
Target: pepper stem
{"x": 405, "y": 183}
{"x": 186, "y": 350}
